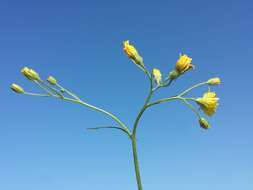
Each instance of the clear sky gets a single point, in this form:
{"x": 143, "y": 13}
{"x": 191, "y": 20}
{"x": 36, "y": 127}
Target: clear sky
{"x": 44, "y": 144}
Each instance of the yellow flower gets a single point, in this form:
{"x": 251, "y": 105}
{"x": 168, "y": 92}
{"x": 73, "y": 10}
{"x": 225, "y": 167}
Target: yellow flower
{"x": 30, "y": 74}
{"x": 214, "y": 81}
{"x": 132, "y": 53}
{"x": 208, "y": 103}
{"x": 157, "y": 76}
{"x": 183, "y": 64}
{"x": 16, "y": 88}
{"x": 51, "y": 80}
{"x": 204, "y": 123}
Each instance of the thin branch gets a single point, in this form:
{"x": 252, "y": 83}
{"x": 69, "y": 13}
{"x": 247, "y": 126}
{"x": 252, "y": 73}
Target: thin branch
{"x": 100, "y": 110}
{"x": 43, "y": 88}
{"x": 109, "y": 127}
{"x": 191, "y": 106}
{"x": 68, "y": 92}
{"x": 191, "y": 88}
{"x": 35, "y": 94}
{"x": 52, "y": 89}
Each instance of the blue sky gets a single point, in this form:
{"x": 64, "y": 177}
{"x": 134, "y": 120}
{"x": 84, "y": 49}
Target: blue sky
{"x": 44, "y": 143}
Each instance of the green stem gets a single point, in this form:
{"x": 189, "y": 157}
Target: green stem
{"x": 133, "y": 135}
{"x": 68, "y": 92}
{"x": 52, "y": 89}
{"x": 191, "y": 88}
{"x": 35, "y": 94}
{"x": 191, "y": 106}
{"x": 100, "y": 110}
{"x": 136, "y": 163}
{"x": 164, "y": 100}
{"x": 184, "y": 100}
{"x": 43, "y": 88}
{"x": 144, "y": 107}
{"x": 109, "y": 127}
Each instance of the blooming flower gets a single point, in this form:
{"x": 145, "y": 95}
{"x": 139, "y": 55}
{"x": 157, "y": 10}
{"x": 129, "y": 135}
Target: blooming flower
{"x": 214, "y": 81}
{"x": 183, "y": 64}
{"x": 30, "y": 74}
{"x": 16, "y": 88}
{"x": 132, "y": 53}
{"x": 208, "y": 102}
{"x": 157, "y": 75}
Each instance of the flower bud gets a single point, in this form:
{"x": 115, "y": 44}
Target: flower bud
{"x": 52, "y": 80}
{"x": 173, "y": 74}
{"x": 157, "y": 76}
{"x": 30, "y": 74}
{"x": 132, "y": 53}
{"x": 204, "y": 123}
{"x": 16, "y": 88}
{"x": 214, "y": 81}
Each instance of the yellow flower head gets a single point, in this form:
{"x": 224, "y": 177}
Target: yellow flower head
{"x": 30, "y": 74}
{"x": 132, "y": 53}
{"x": 16, "y": 88}
{"x": 157, "y": 75}
{"x": 183, "y": 64}
{"x": 214, "y": 81}
{"x": 208, "y": 103}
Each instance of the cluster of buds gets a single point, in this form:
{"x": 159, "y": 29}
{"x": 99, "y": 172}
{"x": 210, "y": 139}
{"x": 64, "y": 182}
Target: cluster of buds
{"x": 32, "y": 75}
{"x": 208, "y": 102}
{"x": 183, "y": 64}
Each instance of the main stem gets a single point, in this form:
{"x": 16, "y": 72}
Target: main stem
{"x": 133, "y": 135}
{"x": 136, "y": 163}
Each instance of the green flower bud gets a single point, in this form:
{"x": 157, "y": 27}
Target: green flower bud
{"x": 16, "y": 88}
{"x": 204, "y": 123}
{"x": 30, "y": 74}
{"x": 173, "y": 74}
{"x": 214, "y": 81}
{"x": 51, "y": 80}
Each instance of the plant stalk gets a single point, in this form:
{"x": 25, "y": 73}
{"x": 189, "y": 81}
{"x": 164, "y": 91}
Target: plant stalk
{"x": 136, "y": 163}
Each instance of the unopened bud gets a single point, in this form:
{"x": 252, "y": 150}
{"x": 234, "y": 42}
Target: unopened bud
{"x": 204, "y": 123}
{"x": 16, "y": 88}
{"x": 30, "y": 74}
{"x": 173, "y": 74}
{"x": 157, "y": 76}
{"x": 51, "y": 80}
{"x": 132, "y": 53}
{"x": 214, "y": 81}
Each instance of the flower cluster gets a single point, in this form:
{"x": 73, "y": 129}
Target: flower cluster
{"x": 208, "y": 102}
{"x": 33, "y": 76}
